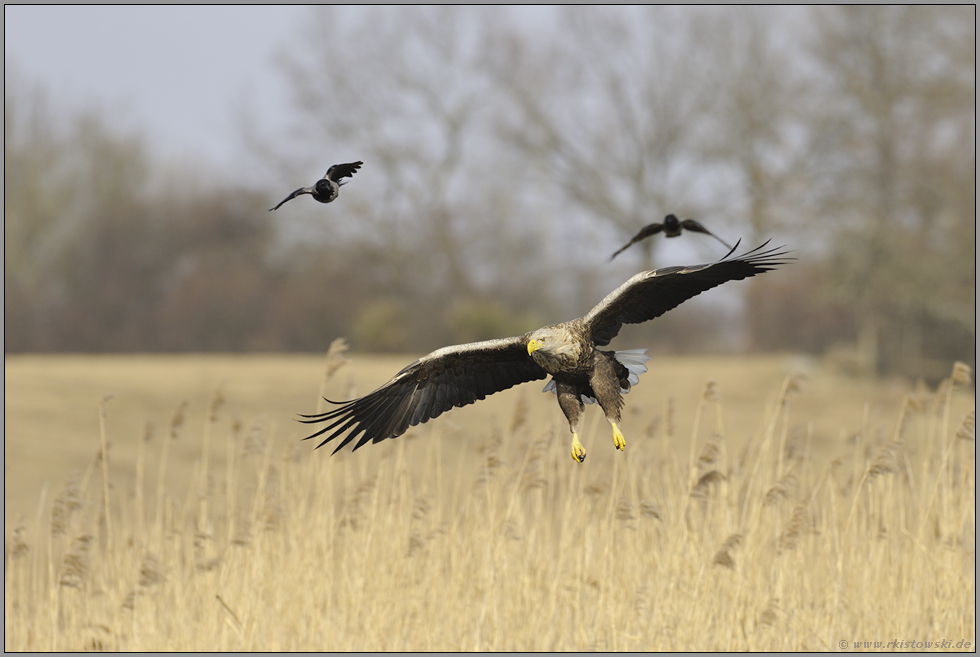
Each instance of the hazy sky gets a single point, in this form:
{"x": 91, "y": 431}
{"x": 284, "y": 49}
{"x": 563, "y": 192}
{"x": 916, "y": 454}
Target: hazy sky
{"x": 180, "y": 74}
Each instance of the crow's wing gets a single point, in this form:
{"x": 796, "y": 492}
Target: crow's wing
{"x": 338, "y": 171}
{"x": 298, "y": 192}
{"x": 695, "y": 227}
{"x": 645, "y": 232}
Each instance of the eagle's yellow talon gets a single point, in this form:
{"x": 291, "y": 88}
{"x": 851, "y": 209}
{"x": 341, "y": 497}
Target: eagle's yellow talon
{"x": 619, "y": 440}
{"x": 578, "y": 452}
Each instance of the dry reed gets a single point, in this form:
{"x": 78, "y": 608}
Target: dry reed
{"x": 517, "y": 548}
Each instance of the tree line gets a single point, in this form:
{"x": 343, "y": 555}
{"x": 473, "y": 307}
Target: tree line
{"x": 507, "y": 154}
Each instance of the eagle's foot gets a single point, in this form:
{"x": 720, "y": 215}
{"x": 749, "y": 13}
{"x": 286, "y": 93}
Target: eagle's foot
{"x": 578, "y": 452}
{"x": 619, "y": 440}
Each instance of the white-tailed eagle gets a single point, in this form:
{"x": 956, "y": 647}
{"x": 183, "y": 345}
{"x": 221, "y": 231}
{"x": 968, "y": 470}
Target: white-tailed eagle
{"x": 581, "y": 372}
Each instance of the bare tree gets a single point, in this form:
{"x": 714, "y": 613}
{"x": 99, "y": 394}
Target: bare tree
{"x": 640, "y": 112}
{"x": 403, "y": 89}
{"x": 753, "y": 142}
{"x": 56, "y": 169}
{"x": 755, "y": 120}
{"x": 59, "y": 171}
{"x": 893, "y": 148}
{"x": 611, "y": 114}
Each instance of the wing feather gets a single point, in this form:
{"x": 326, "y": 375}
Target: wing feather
{"x": 386, "y": 411}
{"x": 298, "y": 192}
{"x": 695, "y": 227}
{"x": 446, "y": 378}
{"x": 645, "y": 232}
{"x": 338, "y": 171}
{"x": 401, "y": 416}
{"x": 650, "y": 294}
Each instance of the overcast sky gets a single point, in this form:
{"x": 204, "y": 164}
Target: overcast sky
{"x": 179, "y": 74}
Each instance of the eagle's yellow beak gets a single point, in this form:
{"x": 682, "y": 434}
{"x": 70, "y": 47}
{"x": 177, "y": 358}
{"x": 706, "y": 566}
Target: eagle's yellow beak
{"x": 533, "y": 346}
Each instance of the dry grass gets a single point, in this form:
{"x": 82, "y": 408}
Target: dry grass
{"x": 760, "y": 511}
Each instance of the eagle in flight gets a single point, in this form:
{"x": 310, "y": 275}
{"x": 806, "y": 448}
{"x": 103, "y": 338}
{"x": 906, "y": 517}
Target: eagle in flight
{"x": 671, "y": 227}
{"x": 570, "y": 352}
{"x": 327, "y": 188}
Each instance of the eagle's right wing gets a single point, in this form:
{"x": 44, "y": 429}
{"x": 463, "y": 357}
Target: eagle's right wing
{"x": 650, "y": 294}
{"x": 446, "y": 378}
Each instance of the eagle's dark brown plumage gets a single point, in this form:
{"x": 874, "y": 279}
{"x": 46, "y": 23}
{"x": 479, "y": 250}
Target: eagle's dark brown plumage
{"x": 462, "y": 374}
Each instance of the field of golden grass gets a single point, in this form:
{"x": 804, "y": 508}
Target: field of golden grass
{"x": 762, "y": 503}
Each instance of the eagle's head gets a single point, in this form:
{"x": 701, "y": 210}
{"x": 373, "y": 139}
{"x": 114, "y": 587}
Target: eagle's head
{"x": 554, "y": 348}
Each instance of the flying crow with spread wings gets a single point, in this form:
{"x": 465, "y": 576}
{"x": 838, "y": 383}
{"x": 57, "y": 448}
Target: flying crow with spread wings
{"x": 580, "y": 372}
{"x": 327, "y": 188}
{"x": 671, "y": 227}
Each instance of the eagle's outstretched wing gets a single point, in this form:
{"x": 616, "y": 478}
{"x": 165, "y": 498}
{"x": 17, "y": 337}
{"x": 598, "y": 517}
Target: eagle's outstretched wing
{"x": 650, "y": 294}
{"x": 645, "y": 232}
{"x": 298, "y": 192}
{"x": 338, "y": 171}
{"x": 449, "y": 377}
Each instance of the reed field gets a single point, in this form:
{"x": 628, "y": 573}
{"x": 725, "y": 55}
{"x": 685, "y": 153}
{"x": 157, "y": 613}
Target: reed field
{"x": 762, "y": 503}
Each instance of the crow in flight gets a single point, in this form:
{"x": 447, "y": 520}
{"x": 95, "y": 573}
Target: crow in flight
{"x": 327, "y": 188}
{"x": 671, "y": 227}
